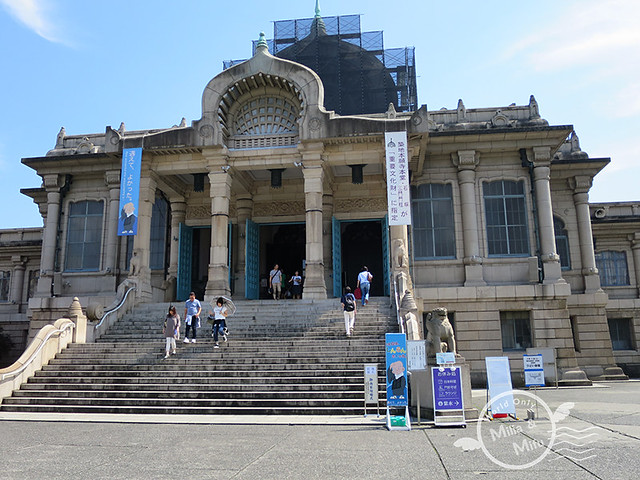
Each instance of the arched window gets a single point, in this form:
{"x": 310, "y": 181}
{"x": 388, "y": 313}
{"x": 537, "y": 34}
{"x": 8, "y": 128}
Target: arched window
{"x": 562, "y": 243}
{"x": 266, "y": 116}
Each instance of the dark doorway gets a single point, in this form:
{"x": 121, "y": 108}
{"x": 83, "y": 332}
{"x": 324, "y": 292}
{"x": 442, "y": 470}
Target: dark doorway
{"x": 362, "y": 245}
{"x": 285, "y": 245}
{"x": 201, "y": 251}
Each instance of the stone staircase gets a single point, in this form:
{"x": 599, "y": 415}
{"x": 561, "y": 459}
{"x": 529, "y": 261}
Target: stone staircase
{"x": 282, "y": 357}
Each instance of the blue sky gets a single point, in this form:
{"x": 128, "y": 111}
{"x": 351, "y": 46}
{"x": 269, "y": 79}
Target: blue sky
{"x": 88, "y": 64}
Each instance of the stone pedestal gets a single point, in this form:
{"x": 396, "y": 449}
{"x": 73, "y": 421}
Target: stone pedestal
{"x": 421, "y": 384}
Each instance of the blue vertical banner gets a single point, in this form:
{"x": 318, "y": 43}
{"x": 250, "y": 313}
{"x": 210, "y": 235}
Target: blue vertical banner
{"x": 396, "y": 355}
{"x": 129, "y": 191}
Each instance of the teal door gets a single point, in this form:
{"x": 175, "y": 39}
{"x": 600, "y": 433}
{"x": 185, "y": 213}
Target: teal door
{"x": 385, "y": 254}
{"x": 183, "y": 282}
{"x": 252, "y": 261}
{"x": 337, "y": 257}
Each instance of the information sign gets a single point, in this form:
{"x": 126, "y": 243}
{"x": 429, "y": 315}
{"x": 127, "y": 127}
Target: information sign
{"x": 447, "y": 388}
{"x": 445, "y": 357}
{"x": 533, "y": 371}
{"x": 370, "y": 383}
{"x": 417, "y": 355}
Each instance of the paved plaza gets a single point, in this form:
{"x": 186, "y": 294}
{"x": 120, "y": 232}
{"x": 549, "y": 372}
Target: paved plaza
{"x": 605, "y": 418}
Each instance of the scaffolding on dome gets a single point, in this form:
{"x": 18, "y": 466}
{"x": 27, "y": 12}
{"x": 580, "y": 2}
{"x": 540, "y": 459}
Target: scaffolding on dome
{"x": 354, "y": 82}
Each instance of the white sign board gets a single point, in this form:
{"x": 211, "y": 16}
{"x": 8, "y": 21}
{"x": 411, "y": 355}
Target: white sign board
{"x": 417, "y": 355}
{"x": 370, "y": 383}
{"x": 533, "y": 371}
{"x": 398, "y": 194}
{"x": 549, "y": 362}
{"x": 445, "y": 357}
{"x": 499, "y": 384}
{"x": 534, "y": 378}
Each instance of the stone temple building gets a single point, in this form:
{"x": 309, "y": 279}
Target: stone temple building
{"x": 287, "y": 165}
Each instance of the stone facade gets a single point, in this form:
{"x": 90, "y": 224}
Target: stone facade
{"x": 503, "y": 293}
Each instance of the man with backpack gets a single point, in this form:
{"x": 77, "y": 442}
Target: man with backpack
{"x": 348, "y": 301}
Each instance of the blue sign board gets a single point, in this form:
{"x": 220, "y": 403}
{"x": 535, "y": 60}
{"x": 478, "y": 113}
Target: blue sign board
{"x": 396, "y": 355}
{"x": 447, "y": 388}
{"x": 129, "y": 191}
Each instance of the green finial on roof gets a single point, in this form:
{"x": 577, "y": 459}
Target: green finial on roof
{"x": 318, "y": 27}
{"x": 262, "y": 41}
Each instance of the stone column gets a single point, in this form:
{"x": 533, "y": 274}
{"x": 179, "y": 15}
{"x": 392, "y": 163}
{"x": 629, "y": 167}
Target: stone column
{"x": 635, "y": 248}
{"x": 220, "y": 192}
{"x": 466, "y": 161}
{"x": 52, "y": 184}
{"x": 244, "y": 208}
{"x": 327, "y": 238}
{"x": 17, "y": 278}
{"x": 550, "y": 259}
{"x": 580, "y": 186}
{"x": 314, "y": 285}
{"x": 142, "y": 241}
{"x": 112, "y": 180}
{"x": 178, "y": 215}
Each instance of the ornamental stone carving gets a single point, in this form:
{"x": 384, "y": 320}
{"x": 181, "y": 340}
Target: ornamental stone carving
{"x": 267, "y": 209}
{"x": 198, "y": 211}
{"x": 376, "y": 204}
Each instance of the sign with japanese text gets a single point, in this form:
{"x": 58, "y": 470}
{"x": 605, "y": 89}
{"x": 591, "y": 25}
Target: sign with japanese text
{"x": 129, "y": 191}
{"x": 396, "y": 356}
{"x": 370, "y": 383}
{"x": 447, "y": 388}
{"x": 533, "y": 371}
{"x": 417, "y": 355}
{"x": 445, "y": 357}
{"x": 398, "y": 194}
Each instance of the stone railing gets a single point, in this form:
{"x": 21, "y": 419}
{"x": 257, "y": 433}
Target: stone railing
{"x": 121, "y": 305}
{"x": 48, "y": 342}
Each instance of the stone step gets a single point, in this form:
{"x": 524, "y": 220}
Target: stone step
{"x": 344, "y": 408}
{"x": 35, "y": 388}
{"x": 281, "y": 358}
{"x": 98, "y": 382}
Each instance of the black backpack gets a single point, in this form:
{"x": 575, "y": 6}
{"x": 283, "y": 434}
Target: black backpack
{"x": 350, "y": 302}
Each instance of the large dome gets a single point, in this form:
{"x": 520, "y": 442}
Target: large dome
{"x": 355, "y": 80}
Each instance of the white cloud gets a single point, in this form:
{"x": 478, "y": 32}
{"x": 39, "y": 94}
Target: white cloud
{"x": 36, "y": 15}
{"x": 595, "y": 42}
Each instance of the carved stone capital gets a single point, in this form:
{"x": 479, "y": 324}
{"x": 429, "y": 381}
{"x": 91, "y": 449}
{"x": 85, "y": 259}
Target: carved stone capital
{"x": 112, "y": 178}
{"x": 541, "y": 156}
{"x": 465, "y": 159}
{"x": 53, "y": 182}
{"x": 580, "y": 183}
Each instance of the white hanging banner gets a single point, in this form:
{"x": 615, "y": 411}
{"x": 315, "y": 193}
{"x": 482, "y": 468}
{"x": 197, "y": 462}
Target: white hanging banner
{"x": 398, "y": 195}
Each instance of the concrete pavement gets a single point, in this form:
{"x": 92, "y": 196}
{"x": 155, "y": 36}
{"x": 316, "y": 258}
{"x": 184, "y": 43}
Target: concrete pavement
{"x": 603, "y": 419}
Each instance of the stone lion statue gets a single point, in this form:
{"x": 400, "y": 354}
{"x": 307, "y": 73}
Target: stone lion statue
{"x": 134, "y": 264}
{"x": 440, "y": 337}
{"x": 400, "y": 258}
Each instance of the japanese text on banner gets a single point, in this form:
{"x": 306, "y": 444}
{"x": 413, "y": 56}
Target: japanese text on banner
{"x": 398, "y": 195}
